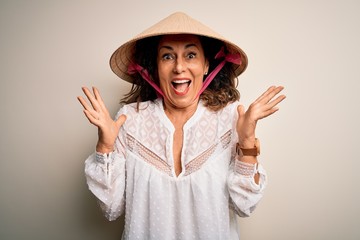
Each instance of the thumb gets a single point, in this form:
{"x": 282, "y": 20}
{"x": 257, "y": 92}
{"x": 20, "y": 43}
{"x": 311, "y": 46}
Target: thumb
{"x": 121, "y": 119}
{"x": 241, "y": 111}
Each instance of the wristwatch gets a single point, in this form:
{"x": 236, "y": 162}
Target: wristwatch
{"x": 255, "y": 151}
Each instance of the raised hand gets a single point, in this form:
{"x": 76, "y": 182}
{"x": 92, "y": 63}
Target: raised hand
{"x": 262, "y": 107}
{"x": 98, "y": 115}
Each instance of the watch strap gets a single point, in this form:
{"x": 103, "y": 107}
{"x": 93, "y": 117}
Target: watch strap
{"x": 248, "y": 151}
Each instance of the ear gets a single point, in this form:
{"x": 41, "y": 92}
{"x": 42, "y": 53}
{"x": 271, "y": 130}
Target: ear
{"x": 206, "y": 67}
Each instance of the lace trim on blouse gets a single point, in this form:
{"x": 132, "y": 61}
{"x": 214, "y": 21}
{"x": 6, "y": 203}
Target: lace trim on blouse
{"x": 245, "y": 169}
{"x": 147, "y": 155}
{"x": 153, "y": 159}
{"x": 197, "y": 162}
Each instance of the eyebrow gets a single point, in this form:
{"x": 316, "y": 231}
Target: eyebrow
{"x": 186, "y": 46}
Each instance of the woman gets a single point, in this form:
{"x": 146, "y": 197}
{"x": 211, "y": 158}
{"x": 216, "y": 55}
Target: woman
{"x": 181, "y": 156}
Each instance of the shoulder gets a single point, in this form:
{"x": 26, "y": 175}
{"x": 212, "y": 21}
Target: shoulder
{"x": 225, "y": 116}
{"x": 229, "y": 110}
{"x": 139, "y": 111}
{"x": 139, "y": 118}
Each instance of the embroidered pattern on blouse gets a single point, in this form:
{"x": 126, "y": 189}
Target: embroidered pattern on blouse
{"x": 148, "y": 156}
{"x": 197, "y": 162}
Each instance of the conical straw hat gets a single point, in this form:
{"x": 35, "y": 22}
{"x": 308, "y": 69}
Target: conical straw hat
{"x": 176, "y": 23}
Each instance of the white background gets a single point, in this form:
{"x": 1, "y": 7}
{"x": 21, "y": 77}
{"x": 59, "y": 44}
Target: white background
{"x": 49, "y": 49}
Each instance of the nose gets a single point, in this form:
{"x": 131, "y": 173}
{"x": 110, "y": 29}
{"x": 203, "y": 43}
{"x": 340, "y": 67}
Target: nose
{"x": 180, "y": 66}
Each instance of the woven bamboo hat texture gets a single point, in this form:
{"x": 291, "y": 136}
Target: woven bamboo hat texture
{"x": 176, "y": 23}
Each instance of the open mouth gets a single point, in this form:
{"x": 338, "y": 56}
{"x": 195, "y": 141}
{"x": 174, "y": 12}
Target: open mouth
{"x": 181, "y": 87}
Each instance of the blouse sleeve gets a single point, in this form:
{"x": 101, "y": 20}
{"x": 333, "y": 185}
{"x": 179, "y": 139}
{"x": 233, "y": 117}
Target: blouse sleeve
{"x": 105, "y": 176}
{"x": 244, "y": 192}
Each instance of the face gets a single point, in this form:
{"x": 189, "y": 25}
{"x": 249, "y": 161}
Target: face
{"x": 181, "y": 68}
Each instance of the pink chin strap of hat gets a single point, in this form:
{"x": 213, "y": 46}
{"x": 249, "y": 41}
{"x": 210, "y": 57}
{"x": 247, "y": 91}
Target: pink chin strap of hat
{"x": 233, "y": 58}
{"x": 134, "y": 67}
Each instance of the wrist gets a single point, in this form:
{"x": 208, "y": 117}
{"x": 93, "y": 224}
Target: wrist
{"x": 248, "y": 148}
{"x": 101, "y": 148}
{"x": 249, "y": 142}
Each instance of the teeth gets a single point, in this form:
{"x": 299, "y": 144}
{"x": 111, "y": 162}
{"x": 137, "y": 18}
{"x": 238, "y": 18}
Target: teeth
{"x": 181, "y": 85}
{"x": 181, "y": 81}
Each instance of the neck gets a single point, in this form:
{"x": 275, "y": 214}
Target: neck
{"x": 179, "y": 116}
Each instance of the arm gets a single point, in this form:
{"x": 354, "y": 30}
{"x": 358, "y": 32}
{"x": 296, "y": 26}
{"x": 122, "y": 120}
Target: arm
{"x": 105, "y": 176}
{"x": 262, "y": 107}
{"x": 247, "y": 178}
{"x": 244, "y": 192}
{"x": 105, "y": 169}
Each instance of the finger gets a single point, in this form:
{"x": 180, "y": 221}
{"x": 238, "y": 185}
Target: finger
{"x": 92, "y": 99}
{"x": 273, "y": 93}
{"x": 88, "y": 108}
{"x": 241, "y": 115}
{"x": 269, "y": 112}
{"x": 84, "y": 103}
{"x": 241, "y": 111}
{"x": 121, "y": 119}
{"x": 91, "y": 118}
{"x": 265, "y": 93}
{"x": 99, "y": 99}
{"x": 269, "y": 94}
{"x": 272, "y": 106}
{"x": 276, "y": 101}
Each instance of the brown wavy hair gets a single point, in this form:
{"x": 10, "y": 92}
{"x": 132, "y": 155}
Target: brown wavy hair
{"x": 221, "y": 91}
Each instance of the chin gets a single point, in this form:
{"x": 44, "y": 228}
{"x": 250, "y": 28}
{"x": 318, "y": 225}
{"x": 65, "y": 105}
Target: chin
{"x": 183, "y": 102}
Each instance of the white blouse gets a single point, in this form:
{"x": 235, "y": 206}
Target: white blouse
{"x": 138, "y": 178}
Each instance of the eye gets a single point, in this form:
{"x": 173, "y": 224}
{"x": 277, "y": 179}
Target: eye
{"x": 167, "y": 56}
{"x": 191, "y": 55}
